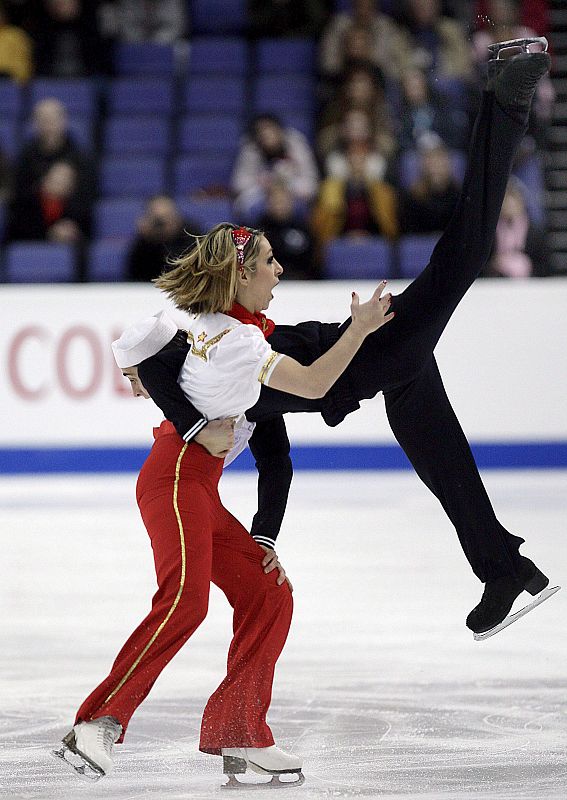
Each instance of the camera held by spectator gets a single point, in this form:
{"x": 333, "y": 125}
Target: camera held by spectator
{"x": 161, "y": 233}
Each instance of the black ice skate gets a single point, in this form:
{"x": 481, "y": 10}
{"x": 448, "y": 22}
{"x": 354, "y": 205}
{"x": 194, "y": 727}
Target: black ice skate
{"x": 265, "y": 761}
{"x": 514, "y": 71}
{"x": 87, "y": 748}
{"x": 491, "y": 615}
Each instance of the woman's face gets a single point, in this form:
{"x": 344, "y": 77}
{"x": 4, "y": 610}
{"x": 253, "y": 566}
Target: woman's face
{"x": 264, "y": 279}
{"x": 138, "y": 389}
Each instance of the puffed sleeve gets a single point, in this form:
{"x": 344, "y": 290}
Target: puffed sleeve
{"x": 246, "y": 356}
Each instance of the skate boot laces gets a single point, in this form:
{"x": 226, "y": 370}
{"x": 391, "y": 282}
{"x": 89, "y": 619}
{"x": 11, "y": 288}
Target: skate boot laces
{"x": 107, "y": 733}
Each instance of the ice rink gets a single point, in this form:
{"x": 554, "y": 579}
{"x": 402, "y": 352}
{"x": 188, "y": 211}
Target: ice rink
{"x": 380, "y": 689}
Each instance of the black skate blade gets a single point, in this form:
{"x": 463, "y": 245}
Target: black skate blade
{"x": 74, "y": 760}
{"x": 275, "y": 783}
{"x": 521, "y": 45}
{"x": 511, "y": 618}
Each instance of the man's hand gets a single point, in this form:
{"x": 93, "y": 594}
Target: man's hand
{"x": 217, "y": 437}
{"x": 270, "y": 562}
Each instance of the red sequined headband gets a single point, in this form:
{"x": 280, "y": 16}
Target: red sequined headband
{"x": 240, "y": 237}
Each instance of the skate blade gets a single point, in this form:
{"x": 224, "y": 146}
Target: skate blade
{"x": 82, "y": 767}
{"x": 523, "y": 45}
{"x": 275, "y": 783}
{"x": 541, "y": 598}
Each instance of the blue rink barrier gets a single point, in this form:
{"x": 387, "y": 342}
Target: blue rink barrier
{"x": 525, "y": 455}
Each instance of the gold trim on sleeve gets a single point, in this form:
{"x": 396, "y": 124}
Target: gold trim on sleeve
{"x": 266, "y": 368}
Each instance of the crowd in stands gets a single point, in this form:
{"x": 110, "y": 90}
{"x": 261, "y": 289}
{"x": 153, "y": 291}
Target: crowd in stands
{"x": 339, "y": 128}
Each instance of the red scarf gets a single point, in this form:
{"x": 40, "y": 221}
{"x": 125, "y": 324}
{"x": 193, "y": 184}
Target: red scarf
{"x": 248, "y": 318}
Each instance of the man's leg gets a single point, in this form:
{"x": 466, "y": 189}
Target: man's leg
{"x": 426, "y": 427}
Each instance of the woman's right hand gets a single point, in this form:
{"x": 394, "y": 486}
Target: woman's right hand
{"x": 368, "y": 317}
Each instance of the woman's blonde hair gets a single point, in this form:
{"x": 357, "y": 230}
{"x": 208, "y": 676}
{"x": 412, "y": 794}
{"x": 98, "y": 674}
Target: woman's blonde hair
{"x": 203, "y": 279}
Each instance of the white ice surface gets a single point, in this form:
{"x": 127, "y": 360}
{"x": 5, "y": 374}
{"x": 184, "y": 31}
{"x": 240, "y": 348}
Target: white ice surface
{"x": 380, "y": 689}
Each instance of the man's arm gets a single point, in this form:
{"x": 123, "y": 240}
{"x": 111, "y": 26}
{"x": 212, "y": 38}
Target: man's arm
{"x": 270, "y": 447}
{"x": 159, "y": 377}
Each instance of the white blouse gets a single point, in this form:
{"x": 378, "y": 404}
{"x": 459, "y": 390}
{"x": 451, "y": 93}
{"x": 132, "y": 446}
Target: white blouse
{"x": 226, "y": 364}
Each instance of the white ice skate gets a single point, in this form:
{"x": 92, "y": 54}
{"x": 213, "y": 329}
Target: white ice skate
{"x": 263, "y": 760}
{"x": 87, "y": 748}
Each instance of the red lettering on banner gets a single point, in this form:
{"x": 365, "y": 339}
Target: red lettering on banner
{"x": 90, "y": 337}
{"x": 31, "y": 332}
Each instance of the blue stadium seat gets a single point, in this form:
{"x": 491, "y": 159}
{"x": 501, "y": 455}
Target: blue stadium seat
{"x": 122, "y": 176}
{"x": 39, "y": 262}
{"x": 409, "y": 166}
{"x": 140, "y": 96}
{"x": 211, "y": 55}
{"x": 285, "y": 55}
{"x": 116, "y": 218}
{"x": 11, "y": 99}
{"x": 2, "y": 220}
{"x": 206, "y": 94}
{"x": 302, "y": 121}
{"x": 206, "y": 132}
{"x": 133, "y": 133}
{"x": 144, "y": 58}
{"x": 78, "y": 95}
{"x": 9, "y": 143}
{"x": 414, "y": 253}
{"x": 202, "y": 172}
{"x": 218, "y": 16}
{"x": 283, "y": 92}
{"x": 206, "y": 212}
{"x": 354, "y": 258}
{"x": 107, "y": 261}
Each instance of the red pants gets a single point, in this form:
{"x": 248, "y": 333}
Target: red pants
{"x": 196, "y": 540}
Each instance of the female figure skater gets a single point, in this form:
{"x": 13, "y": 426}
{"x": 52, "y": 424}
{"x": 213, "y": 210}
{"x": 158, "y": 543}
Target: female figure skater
{"x": 194, "y": 538}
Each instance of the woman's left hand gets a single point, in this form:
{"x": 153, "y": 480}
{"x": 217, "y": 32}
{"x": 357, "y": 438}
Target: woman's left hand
{"x": 271, "y": 562}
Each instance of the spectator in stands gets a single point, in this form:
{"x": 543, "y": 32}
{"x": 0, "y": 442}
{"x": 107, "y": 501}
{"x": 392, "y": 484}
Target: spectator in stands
{"x": 428, "y": 205}
{"x": 162, "y": 232}
{"x": 162, "y": 21}
{"x": 56, "y": 212}
{"x": 361, "y": 90}
{"x": 15, "y": 50}
{"x": 269, "y": 152}
{"x": 356, "y": 134}
{"x": 68, "y": 42}
{"x": 520, "y": 248}
{"x": 52, "y": 143}
{"x": 532, "y": 14}
{"x": 388, "y": 46}
{"x": 438, "y": 44}
{"x": 304, "y": 18}
{"x": 423, "y": 110}
{"x": 291, "y": 239}
{"x": 354, "y": 200}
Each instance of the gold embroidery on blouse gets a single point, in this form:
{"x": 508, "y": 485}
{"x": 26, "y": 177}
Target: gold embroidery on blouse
{"x": 266, "y": 368}
{"x": 202, "y": 352}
